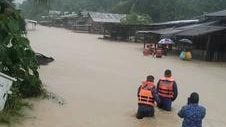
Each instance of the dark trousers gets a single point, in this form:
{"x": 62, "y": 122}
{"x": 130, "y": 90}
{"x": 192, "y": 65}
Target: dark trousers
{"x": 145, "y": 111}
{"x": 165, "y": 104}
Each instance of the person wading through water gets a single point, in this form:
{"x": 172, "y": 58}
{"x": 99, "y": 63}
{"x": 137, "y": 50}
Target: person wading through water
{"x": 192, "y": 113}
{"x": 167, "y": 91}
{"x": 147, "y": 95}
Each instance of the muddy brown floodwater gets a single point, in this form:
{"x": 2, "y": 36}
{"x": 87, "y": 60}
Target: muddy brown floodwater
{"x": 98, "y": 80}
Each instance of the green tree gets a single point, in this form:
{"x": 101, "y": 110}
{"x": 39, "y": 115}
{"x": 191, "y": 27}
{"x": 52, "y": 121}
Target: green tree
{"x": 135, "y": 19}
{"x": 17, "y": 59}
{"x": 158, "y": 10}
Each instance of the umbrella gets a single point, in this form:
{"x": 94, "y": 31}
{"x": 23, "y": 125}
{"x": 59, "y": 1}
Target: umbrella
{"x": 165, "y": 41}
{"x": 187, "y": 41}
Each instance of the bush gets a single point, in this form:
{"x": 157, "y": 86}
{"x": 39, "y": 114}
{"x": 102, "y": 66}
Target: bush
{"x": 17, "y": 59}
{"x": 135, "y": 19}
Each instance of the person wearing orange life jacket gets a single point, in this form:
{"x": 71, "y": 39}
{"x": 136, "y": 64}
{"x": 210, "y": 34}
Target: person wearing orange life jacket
{"x": 147, "y": 95}
{"x": 158, "y": 53}
{"x": 167, "y": 91}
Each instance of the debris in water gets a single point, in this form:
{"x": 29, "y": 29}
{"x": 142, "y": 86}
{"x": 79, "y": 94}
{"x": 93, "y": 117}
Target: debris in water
{"x": 55, "y": 98}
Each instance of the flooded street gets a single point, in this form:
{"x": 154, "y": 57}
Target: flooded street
{"x": 98, "y": 80}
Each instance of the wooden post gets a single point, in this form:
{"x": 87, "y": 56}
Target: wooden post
{"x": 208, "y": 52}
{"x": 144, "y": 41}
{"x": 104, "y": 30}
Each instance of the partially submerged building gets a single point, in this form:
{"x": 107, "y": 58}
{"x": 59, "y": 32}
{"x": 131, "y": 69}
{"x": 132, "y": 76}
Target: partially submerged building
{"x": 92, "y": 22}
{"x": 31, "y": 24}
{"x": 69, "y": 20}
{"x": 208, "y": 36}
{"x": 81, "y": 23}
{"x": 129, "y": 32}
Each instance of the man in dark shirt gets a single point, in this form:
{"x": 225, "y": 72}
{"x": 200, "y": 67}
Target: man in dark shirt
{"x": 192, "y": 113}
{"x": 167, "y": 91}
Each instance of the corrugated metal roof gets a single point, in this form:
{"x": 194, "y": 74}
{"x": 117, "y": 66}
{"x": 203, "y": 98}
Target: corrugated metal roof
{"x": 84, "y": 13}
{"x": 161, "y": 31}
{"x": 217, "y": 14}
{"x": 69, "y": 16}
{"x": 176, "y": 22}
{"x": 201, "y": 30}
{"x": 106, "y": 17}
{"x": 175, "y": 30}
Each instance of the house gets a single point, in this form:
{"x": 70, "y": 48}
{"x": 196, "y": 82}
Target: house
{"x": 208, "y": 36}
{"x": 69, "y": 20}
{"x": 129, "y": 32}
{"x": 81, "y": 23}
{"x": 97, "y": 20}
{"x": 31, "y": 24}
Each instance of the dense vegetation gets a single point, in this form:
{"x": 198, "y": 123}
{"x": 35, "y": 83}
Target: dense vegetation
{"x": 17, "y": 60}
{"x": 158, "y": 10}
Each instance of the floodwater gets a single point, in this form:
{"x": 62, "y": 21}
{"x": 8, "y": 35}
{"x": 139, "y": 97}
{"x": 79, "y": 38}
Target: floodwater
{"x": 98, "y": 80}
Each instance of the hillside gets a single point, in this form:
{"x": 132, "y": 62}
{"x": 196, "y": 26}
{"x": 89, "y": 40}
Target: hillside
{"x": 158, "y": 10}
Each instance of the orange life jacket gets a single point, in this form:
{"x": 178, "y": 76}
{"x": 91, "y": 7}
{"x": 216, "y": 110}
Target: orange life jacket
{"x": 146, "y": 52}
{"x": 145, "y": 95}
{"x": 158, "y": 52}
{"x": 166, "y": 88}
